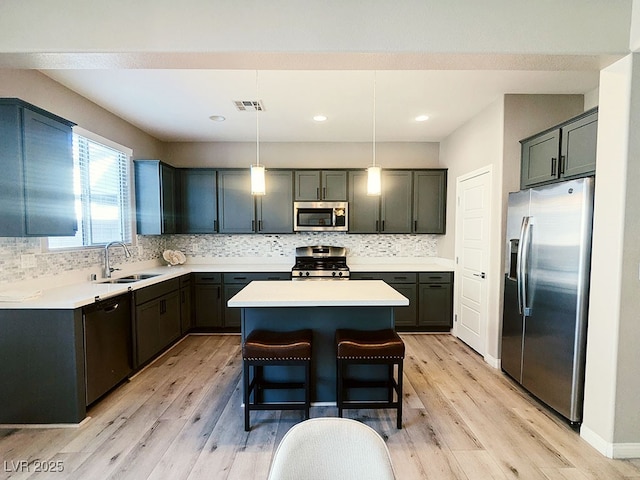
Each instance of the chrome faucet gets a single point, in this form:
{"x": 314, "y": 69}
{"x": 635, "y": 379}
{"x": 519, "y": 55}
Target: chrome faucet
{"x": 107, "y": 267}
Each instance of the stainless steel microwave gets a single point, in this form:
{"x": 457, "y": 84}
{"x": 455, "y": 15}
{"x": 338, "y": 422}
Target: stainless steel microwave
{"x": 320, "y": 216}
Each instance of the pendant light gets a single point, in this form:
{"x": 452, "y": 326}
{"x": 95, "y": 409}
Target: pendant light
{"x": 374, "y": 172}
{"x": 258, "y": 186}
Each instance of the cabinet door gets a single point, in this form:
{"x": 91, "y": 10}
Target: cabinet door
{"x": 207, "y": 305}
{"x": 169, "y": 319}
{"x": 168, "y": 198}
{"x": 334, "y": 185}
{"x": 232, "y": 316}
{"x": 147, "y": 331}
{"x": 307, "y": 185}
{"x": 48, "y": 176}
{"x": 185, "y": 307}
{"x": 578, "y": 153}
{"x": 396, "y": 214}
{"x": 540, "y": 159}
{"x": 436, "y": 305}
{"x": 275, "y": 209}
{"x": 198, "y": 201}
{"x": 406, "y": 316}
{"x": 364, "y": 210}
{"x": 237, "y": 206}
{"x": 429, "y": 201}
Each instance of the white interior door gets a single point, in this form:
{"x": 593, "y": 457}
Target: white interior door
{"x": 472, "y": 258}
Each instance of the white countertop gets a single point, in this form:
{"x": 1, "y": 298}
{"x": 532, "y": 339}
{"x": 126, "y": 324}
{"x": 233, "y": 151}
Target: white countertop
{"x": 338, "y": 293}
{"x": 81, "y": 293}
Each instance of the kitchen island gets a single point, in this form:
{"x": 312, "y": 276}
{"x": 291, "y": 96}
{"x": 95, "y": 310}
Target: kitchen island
{"x": 322, "y": 306}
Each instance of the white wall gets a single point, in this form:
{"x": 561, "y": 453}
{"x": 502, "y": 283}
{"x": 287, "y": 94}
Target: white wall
{"x": 303, "y": 155}
{"x": 612, "y": 387}
{"x": 38, "y": 89}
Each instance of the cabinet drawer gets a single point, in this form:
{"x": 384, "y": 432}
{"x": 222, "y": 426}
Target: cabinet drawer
{"x": 185, "y": 281}
{"x": 436, "y": 277}
{"x": 154, "y": 291}
{"x": 249, "y": 277}
{"x": 388, "y": 277}
{"x": 207, "y": 278}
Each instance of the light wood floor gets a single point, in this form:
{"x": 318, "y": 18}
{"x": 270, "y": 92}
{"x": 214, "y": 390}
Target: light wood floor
{"x": 182, "y": 418}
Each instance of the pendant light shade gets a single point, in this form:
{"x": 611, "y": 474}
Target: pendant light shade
{"x": 257, "y": 180}
{"x": 258, "y": 184}
{"x": 374, "y": 172}
{"x": 374, "y": 182}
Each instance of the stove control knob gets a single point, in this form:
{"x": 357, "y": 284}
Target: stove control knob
{"x": 340, "y": 274}
{"x": 299, "y": 274}
{"x": 306, "y": 273}
{"x": 333, "y": 274}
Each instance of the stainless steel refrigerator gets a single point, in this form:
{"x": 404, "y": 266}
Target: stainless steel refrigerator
{"x": 546, "y": 290}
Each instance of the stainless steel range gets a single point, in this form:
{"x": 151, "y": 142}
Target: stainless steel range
{"x": 320, "y": 263}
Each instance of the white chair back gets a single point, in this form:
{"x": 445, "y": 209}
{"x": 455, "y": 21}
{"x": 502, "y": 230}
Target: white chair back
{"x": 331, "y": 449}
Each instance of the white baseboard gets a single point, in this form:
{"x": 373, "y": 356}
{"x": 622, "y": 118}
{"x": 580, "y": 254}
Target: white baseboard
{"x": 608, "y": 449}
{"x": 494, "y": 362}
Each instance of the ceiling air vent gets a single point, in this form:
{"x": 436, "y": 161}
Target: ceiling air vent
{"x": 249, "y": 105}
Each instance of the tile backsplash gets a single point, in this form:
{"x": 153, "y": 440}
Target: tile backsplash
{"x": 23, "y": 259}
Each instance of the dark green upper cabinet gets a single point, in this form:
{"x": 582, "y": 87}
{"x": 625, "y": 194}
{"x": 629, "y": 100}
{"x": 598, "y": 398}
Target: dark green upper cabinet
{"x": 198, "y": 200}
{"x": 412, "y": 201}
{"x": 275, "y": 208}
{"x": 36, "y": 157}
{"x": 396, "y": 202}
{"x": 321, "y": 185}
{"x": 540, "y": 159}
{"x": 566, "y": 151}
{"x": 429, "y": 201}
{"x": 155, "y": 184}
{"x": 237, "y": 206}
{"x": 364, "y": 210}
{"x": 241, "y": 212}
{"x": 578, "y": 149}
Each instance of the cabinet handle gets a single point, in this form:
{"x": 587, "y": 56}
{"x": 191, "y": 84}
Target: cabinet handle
{"x": 562, "y": 162}
{"x": 253, "y": 225}
{"x": 259, "y": 225}
{"x": 318, "y": 193}
{"x": 553, "y": 166}
{"x": 239, "y": 278}
{"x": 435, "y": 286}
{"x": 376, "y": 225}
{"x": 382, "y": 226}
{"x": 215, "y": 225}
{"x": 218, "y": 292}
{"x": 415, "y": 225}
{"x": 399, "y": 278}
{"x": 324, "y": 192}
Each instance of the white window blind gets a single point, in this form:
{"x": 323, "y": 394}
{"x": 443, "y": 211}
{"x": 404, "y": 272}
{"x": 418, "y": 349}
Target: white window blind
{"x": 102, "y": 190}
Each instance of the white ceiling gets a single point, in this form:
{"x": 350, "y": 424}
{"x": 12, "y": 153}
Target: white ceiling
{"x": 175, "y": 105}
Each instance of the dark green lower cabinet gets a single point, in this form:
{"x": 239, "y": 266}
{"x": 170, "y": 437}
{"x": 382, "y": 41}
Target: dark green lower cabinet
{"x": 207, "y": 300}
{"x": 436, "y": 306}
{"x": 430, "y": 297}
{"x": 232, "y": 316}
{"x": 157, "y": 319}
{"x": 406, "y": 316}
{"x": 186, "y": 313}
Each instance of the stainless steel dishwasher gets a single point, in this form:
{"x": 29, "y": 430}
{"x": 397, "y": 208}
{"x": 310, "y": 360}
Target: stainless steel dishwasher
{"x": 107, "y": 344}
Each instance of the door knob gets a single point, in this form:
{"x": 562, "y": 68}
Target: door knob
{"x": 481, "y": 275}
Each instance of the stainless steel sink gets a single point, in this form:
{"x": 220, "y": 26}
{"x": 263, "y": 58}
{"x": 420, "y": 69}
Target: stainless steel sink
{"x": 131, "y": 278}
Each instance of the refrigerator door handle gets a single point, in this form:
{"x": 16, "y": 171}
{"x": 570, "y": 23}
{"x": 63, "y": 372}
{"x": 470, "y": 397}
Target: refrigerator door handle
{"x": 523, "y": 261}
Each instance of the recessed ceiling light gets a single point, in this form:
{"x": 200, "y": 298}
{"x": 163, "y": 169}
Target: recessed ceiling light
{"x": 217, "y": 118}
{"x": 422, "y": 118}
{"x": 320, "y": 118}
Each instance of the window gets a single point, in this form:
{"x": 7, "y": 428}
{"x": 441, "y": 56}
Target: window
{"x": 102, "y": 190}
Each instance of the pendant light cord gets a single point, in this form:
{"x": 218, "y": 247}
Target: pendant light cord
{"x": 374, "y": 118}
{"x": 257, "y": 106}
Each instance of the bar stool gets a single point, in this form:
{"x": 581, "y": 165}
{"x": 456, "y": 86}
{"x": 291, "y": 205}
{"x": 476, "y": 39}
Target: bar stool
{"x": 268, "y": 348}
{"x": 359, "y": 347}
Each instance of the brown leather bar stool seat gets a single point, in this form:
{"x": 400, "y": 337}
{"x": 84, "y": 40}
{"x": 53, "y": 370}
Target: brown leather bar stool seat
{"x": 361, "y": 347}
{"x": 268, "y": 348}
